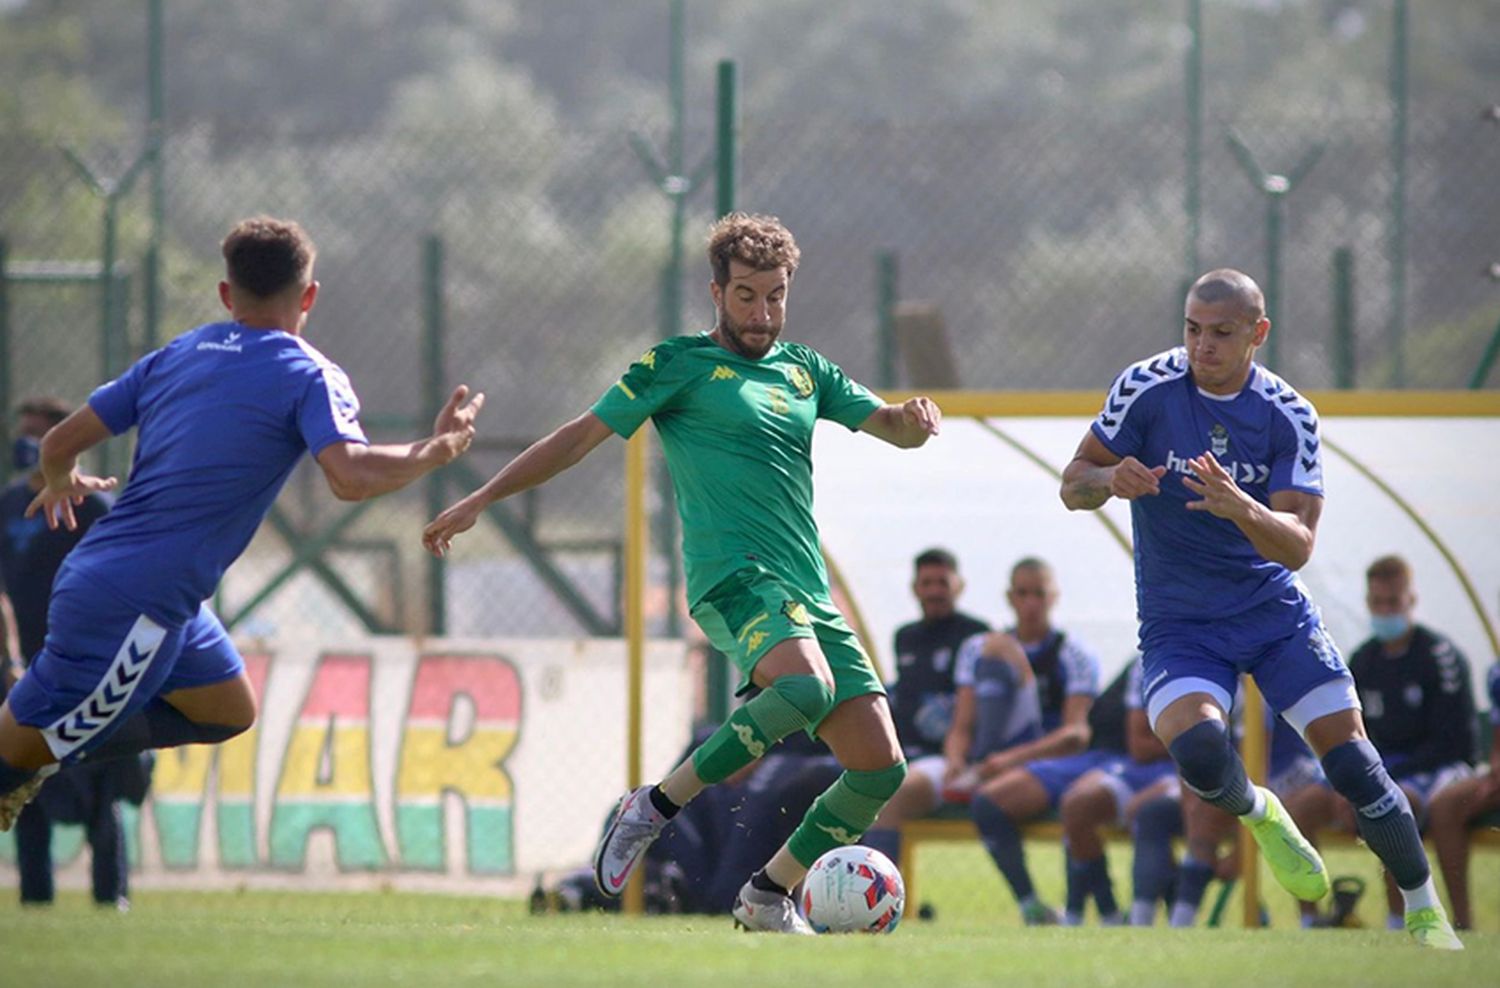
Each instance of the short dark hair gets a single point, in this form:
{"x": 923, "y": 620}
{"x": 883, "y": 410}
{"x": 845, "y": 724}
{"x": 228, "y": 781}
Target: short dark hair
{"x": 1390, "y": 567}
{"x": 1032, "y": 563}
{"x": 937, "y": 557}
{"x": 754, "y": 239}
{"x": 54, "y": 410}
{"x": 264, "y": 256}
{"x": 1229, "y": 285}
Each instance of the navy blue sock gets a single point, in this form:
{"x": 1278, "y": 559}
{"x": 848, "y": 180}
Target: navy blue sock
{"x": 1192, "y": 881}
{"x": 1102, "y": 887}
{"x": 1383, "y": 814}
{"x": 1003, "y": 840}
{"x": 1212, "y": 768}
{"x": 1156, "y": 823}
{"x": 158, "y": 725}
{"x": 1080, "y": 880}
{"x": 12, "y": 777}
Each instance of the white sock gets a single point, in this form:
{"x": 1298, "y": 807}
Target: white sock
{"x": 1257, "y": 811}
{"x": 1142, "y": 913}
{"x": 1184, "y": 914}
{"x": 1424, "y": 896}
{"x": 1307, "y": 920}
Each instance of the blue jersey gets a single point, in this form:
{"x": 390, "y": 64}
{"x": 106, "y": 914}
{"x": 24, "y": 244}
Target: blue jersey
{"x": 1190, "y": 564}
{"x": 1495, "y": 694}
{"x": 224, "y": 413}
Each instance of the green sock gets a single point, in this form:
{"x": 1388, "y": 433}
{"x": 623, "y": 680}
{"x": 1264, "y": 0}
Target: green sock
{"x": 789, "y": 705}
{"x": 844, "y": 812}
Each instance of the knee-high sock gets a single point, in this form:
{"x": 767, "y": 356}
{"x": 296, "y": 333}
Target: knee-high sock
{"x": 1192, "y": 881}
{"x": 792, "y": 703}
{"x": 1212, "y": 768}
{"x": 844, "y": 812}
{"x": 1002, "y": 838}
{"x": 1382, "y": 812}
{"x": 1156, "y": 823}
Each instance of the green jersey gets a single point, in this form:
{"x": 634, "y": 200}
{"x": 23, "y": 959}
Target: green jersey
{"x": 738, "y": 440}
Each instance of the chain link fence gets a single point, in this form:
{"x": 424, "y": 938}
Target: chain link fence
{"x": 1055, "y": 245}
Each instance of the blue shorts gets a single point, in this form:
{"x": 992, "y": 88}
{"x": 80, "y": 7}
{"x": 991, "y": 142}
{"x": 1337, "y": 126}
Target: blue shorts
{"x": 1125, "y": 777}
{"x": 104, "y": 660}
{"x": 1057, "y": 774}
{"x": 1282, "y": 643}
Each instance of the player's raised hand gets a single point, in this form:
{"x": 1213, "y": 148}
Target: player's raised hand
{"x": 456, "y": 421}
{"x": 438, "y": 536}
{"x": 1131, "y": 479}
{"x": 923, "y": 413}
{"x": 56, "y": 500}
{"x": 1221, "y": 496}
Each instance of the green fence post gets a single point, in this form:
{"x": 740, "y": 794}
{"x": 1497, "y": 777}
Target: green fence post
{"x": 1482, "y": 372}
{"x": 156, "y": 136}
{"x": 1193, "y": 82}
{"x": 1397, "y": 329}
{"x": 1343, "y": 318}
{"x": 433, "y": 397}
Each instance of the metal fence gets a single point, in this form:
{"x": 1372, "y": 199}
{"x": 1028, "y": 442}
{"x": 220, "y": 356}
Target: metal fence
{"x": 1054, "y": 246}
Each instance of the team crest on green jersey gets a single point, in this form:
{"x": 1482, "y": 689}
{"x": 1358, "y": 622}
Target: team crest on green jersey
{"x": 796, "y": 613}
{"x": 801, "y": 380}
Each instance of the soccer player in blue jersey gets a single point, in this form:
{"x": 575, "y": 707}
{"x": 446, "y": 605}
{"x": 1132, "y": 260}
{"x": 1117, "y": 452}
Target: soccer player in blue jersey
{"x": 1220, "y": 460}
{"x": 133, "y": 658}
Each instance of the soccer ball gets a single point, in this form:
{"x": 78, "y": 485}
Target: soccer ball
{"x": 853, "y": 889}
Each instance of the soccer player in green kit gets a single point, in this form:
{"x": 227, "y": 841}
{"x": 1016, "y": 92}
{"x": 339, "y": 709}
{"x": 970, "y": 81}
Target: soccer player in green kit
{"x": 735, "y": 409}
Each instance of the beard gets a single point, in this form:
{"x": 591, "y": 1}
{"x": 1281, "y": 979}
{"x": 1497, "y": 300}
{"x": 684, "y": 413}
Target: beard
{"x": 733, "y": 336}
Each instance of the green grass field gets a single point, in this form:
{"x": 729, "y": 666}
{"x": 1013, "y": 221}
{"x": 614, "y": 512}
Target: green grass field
{"x": 383, "y": 938}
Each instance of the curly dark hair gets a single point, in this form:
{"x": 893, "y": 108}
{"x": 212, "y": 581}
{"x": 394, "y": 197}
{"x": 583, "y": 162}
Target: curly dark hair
{"x": 754, "y": 239}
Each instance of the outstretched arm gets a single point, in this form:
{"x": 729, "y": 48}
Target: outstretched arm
{"x": 357, "y": 472}
{"x": 63, "y": 486}
{"x": 538, "y": 463}
{"x": 908, "y": 425}
{"x": 1096, "y": 474}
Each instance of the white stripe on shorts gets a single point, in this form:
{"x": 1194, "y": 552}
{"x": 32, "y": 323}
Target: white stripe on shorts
{"x": 74, "y": 729}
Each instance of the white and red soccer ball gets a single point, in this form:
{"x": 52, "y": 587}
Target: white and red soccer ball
{"x": 853, "y": 889}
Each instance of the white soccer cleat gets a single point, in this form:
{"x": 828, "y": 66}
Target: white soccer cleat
{"x": 636, "y": 824}
{"x": 760, "y": 911}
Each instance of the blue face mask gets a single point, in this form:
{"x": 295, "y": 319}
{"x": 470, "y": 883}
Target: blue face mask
{"x": 1389, "y": 627}
{"x": 25, "y": 453}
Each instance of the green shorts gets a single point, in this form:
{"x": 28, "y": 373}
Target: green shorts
{"x": 752, "y": 610}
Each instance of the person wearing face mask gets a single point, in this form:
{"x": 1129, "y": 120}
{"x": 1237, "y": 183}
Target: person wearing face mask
{"x": 1418, "y": 698}
{"x": 30, "y": 555}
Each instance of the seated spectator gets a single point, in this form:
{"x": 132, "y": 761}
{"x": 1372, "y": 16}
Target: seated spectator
{"x": 1454, "y": 809}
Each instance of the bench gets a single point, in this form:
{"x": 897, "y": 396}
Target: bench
{"x": 951, "y": 825}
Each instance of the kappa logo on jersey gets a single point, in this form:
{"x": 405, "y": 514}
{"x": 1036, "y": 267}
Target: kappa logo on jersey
{"x": 840, "y": 834}
{"x": 1243, "y": 473}
{"x": 757, "y": 639}
{"x": 722, "y": 373}
{"x": 230, "y": 343}
{"x": 796, "y": 613}
{"x": 801, "y": 380}
{"x": 1218, "y": 441}
{"x": 746, "y": 734}
{"x": 648, "y": 359}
